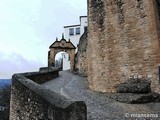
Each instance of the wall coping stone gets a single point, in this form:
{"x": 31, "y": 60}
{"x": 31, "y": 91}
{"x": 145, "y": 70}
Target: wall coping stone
{"x": 49, "y": 95}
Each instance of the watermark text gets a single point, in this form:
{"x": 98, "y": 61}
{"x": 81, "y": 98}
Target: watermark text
{"x": 140, "y": 115}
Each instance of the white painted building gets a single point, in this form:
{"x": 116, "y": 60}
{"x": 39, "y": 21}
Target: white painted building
{"x": 74, "y": 32}
{"x": 65, "y": 61}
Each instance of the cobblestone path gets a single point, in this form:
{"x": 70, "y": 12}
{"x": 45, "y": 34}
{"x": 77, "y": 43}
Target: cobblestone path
{"x": 99, "y": 105}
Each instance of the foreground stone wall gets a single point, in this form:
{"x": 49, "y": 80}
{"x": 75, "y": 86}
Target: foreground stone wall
{"x": 123, "y": 43}
{"x": 81, "y": 57}
{"x": 32, "y": 101}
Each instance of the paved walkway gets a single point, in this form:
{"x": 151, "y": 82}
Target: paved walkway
{"x": 99, "y": 105}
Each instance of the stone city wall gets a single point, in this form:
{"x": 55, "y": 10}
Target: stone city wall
{"x": 81, "y": 57}
{"x": 123, "y": 43}
{"x": 32, "y": 101}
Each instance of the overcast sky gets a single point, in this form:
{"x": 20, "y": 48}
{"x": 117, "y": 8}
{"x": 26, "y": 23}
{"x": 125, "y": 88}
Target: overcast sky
{"x": 29, "y": 27}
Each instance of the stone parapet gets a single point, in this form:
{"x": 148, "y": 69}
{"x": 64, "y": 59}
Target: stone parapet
{"x": 30, "y": 100}
{"x": 42, "y": 76}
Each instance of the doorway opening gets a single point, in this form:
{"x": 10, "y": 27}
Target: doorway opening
{"x": 62, "y": 61}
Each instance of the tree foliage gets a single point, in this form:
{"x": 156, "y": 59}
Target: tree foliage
{"x": 5, "y": 103}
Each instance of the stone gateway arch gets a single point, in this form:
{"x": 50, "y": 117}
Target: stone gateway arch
{"x": 61, "y": 46}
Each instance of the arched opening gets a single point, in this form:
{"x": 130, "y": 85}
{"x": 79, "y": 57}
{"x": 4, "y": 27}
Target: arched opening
{"x": 62, "y": 61}
{"x": 66, "y": 49}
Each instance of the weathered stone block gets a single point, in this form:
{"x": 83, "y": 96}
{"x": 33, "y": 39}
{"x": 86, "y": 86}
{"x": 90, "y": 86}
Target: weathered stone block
{"x": 134, "y": 86}
{"x": 136, "y": 98}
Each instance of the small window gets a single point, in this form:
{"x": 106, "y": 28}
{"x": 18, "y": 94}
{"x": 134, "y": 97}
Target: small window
{"x": 85, "y": 28}
{"x": 77, "y": 31}
{"x": 71, "y": 31}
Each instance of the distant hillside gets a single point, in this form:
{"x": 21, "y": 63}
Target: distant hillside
{"x": 5, "y": 82}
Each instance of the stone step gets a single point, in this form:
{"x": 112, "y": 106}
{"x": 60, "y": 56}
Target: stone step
{"x": 136, "y": 98}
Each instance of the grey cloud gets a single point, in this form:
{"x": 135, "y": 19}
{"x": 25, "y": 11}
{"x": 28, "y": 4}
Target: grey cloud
{"x": 54, "y": 15}
{"x": 17, "y": 64}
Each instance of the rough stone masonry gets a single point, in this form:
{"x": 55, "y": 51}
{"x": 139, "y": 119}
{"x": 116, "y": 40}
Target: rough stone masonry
{"x": 81, "y": 56}
{"x": 123, "y": 43}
